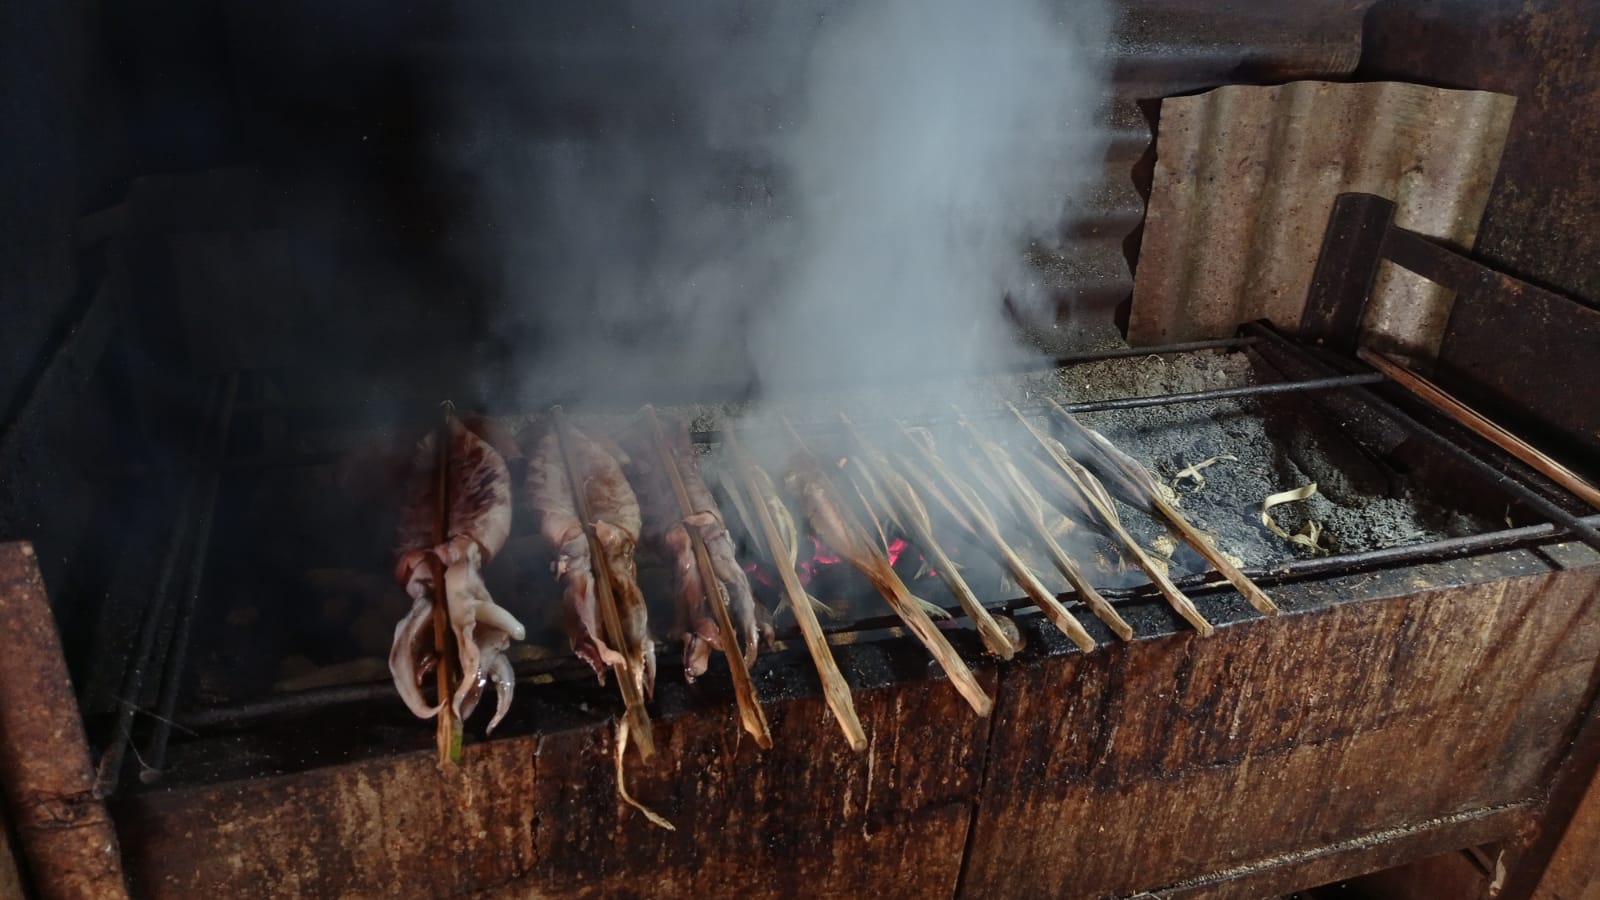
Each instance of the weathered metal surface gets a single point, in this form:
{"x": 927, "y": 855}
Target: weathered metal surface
{"x": 1265, "y": 754}
{"x": 65, "y": 832}
{"x": 1456, "y": 874}
{"x": 1245, "y": 178}
{"x": 1573, "y": 872}
{"x": 1530, "y": 359}
{"x": 540, "y": 813}
{"x": 1403, "y": 710}
{"x": 1346, "y": 267}
{"x": 1326, "y": 865}
{"x": 1539, "y": 223}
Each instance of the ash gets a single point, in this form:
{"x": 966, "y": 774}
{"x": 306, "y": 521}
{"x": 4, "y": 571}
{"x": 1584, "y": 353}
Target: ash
{"x": 1280, "y": 443}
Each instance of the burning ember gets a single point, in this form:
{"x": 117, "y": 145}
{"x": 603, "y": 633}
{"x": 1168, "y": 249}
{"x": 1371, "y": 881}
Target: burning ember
{"x": 820, "y": 558}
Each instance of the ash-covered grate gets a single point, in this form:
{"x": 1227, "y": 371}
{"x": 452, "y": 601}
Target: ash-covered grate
{"x": 278, "y": 602}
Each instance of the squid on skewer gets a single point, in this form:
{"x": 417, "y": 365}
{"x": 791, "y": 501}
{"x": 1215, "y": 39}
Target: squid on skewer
{"x": 477, "y": 521}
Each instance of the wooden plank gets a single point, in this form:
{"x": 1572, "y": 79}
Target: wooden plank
{"x": 1172, "y": 758}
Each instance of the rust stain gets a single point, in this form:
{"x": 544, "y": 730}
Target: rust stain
{"x": 66, "y": 834}
{"x": 1245, "y": 178}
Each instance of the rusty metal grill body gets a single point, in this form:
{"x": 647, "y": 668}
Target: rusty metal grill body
{"x": 260, "y": 747}
{"x": 1415, "y": 699}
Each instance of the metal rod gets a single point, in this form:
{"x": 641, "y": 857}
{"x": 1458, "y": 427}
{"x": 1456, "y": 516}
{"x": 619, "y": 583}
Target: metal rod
{"x": 205, "y": 521}
{"x": 1510, "y": 484}
{"x": 109, "y": 766}
{"x": 1072, "y": 359}
{"x": 354, "y": 409}
{"x": 1331, "y": 383}
{"x": 1483, "y": 426}
{"x": 1543, "y": 534}
{"x": 1250, "y": 390}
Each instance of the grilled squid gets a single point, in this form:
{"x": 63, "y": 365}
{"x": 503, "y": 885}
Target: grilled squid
{"x": 477, "y": 523}
{"x": 616, "y": 523}
{"x": 667, "y": 530}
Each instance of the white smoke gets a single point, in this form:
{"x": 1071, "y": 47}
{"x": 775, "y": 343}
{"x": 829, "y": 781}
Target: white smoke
{"x": 804, "y": 193}
{"x": 937, "y": 139}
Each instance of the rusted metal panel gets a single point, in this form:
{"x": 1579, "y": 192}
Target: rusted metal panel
{"x": 65, "y": 832}
{"x": 539, "y": 814}
{"x": 1530, "y": 359}
{"x": 1539, "y": 223}
{"x": 1281, "y": 876}
{"x": 1352, "y": 249}
{"x": 1574, "y": 869}
{"x": 1266, "y": 753}
{"x": 1402, "y": 710}
{"x": 1245, "y": 178}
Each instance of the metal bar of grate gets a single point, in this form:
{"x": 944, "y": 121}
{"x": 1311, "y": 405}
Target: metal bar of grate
{"x": 1510, "y": 484}
{"x": 155, "y": 754}
{"x": 243, "y": 714}
{"x": 1331, "y": 383}
{"x": 148, "y": 647}
{"x": 1073, "y": 359}
{"x": 325, "y": 406}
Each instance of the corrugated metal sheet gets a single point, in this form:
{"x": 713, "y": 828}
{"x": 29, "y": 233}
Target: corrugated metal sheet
{"x": 1164, "y": 47}
{"x": 1245, "y": 178}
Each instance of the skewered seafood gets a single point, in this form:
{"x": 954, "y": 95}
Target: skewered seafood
{"x": 832, "y": 522}
{"x": 614, "y": 509}
{"x": 895, "y": 493}
{"x": 477, "y": 519}
{"x": 666, "y": 529}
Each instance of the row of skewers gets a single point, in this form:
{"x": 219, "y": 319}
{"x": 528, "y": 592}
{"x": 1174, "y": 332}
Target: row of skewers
{"x": 599, "y": 496}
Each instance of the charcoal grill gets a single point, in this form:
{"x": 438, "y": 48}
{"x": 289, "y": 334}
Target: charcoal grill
{"x": 1349, "y": 676}
{"x": 1423, "y": 707}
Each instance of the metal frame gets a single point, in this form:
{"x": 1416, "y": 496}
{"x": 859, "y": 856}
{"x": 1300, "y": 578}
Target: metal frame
{"x": 1525, "y": 487}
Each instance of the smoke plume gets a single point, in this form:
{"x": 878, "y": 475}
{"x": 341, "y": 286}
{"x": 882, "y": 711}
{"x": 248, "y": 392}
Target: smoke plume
{"x": 791, "y": 194}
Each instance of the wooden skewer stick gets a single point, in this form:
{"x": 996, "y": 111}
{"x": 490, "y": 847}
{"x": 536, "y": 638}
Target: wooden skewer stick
{"x": 610, "y": 618}
{"x": 984, "y": 522}
{"x": 835, "y": 690}
{"x": 870, "y": 560}
{"x": 1108, "y": 518}
{"x": 1466, "y": 415}
{"x": 1134, "y": 472}
{"x": 744, "y": 692}
{"x": 1092, "y": 598}
{"x": 448, "y": 735}
{"x": 915, "y": 519}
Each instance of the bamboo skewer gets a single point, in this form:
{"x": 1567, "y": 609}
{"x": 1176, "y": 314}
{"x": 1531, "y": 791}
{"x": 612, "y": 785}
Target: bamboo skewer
{"x": 1134, "y": 477}
{"x": 870, "y": 560}
{"x": 1485, "y": 428}
{"x": 1033, "y": 515}
{"x": 448, "y": 735}
{"x": 835, "y": 690}
{"x": 913, "y": 516}
{"x": 744, "y": 692}
{"x": 984, "y": 523}
{"x": 1108, "y": 517}
{"x": 611, "y": 620}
